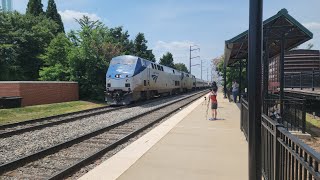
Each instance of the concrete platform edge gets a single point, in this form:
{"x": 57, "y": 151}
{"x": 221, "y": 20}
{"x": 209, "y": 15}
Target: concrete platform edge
{"x": 120, "y": 162}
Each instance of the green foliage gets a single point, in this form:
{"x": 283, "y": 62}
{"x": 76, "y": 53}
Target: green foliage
{"x": 52, "y": 13}
{"x": 232, "y": 73}
{"x": 25, "y": 38}
{"x": 56, "y": 60}
{"x": 140, "y": 48}
{"x": 90, "y": 59}
{"x": 121, "y": 38}
{"x": 34, "y": 8}
{"x": 34, "y": 47}
{"x": 167, "y": 60}
{"x": 181, "y": 67}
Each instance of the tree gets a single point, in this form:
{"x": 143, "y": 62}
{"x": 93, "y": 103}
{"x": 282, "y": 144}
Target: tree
{"x": 232, "y": 73}
{"x": 56, "y": 60}
{"x": 23, "y": 39}
{"x": 90, "y": 59}
{"x": 141, "y": 48}
{"x": 34, "y": 7}
{"x": 181, "y": 67}
{"x": 52, "y": 13}
{"x": 150, "y": 56}
{"x": 121, "y": 37}
{"x": 167, "y": 60}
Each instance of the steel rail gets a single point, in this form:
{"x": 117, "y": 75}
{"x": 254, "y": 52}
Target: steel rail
{"x": 15, "y": 128}
{"x": 54, "y": 149}
{"x": 76, "y": 166}
{"x": 11, "y": 130}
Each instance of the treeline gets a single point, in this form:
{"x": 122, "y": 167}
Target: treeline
{"x": 232, "y": 73}
{"x": 33, "y": 46}
{"x": 167, "y": 60}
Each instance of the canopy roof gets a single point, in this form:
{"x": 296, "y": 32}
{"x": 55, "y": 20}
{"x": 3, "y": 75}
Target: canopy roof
{"x": 279, "y": 26}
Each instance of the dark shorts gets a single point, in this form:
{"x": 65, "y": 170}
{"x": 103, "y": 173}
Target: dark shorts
{"x": 214, "y": 105}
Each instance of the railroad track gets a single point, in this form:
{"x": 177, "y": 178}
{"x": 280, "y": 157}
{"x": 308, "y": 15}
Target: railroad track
{"x": 63, "y": 159}
{"x": 31, "y": 125}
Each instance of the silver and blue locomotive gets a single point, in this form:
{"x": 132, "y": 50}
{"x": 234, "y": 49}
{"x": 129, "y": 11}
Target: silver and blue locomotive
{"x": 130, "y": 78}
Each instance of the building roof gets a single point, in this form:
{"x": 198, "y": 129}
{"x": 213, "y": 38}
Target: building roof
{"x": 274, "y": 29}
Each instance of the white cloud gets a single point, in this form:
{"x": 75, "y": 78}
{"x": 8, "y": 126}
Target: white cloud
{"x": 69, "y": 16}
{"x": 181, "y": 54}
{"x": 312, "y": 25}
{"x": 179, "y": 49}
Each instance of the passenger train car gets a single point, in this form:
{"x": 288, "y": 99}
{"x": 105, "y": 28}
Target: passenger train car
{"x": 130, "y": 78}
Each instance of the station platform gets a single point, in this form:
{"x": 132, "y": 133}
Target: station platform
{"x": 186, "y": 146}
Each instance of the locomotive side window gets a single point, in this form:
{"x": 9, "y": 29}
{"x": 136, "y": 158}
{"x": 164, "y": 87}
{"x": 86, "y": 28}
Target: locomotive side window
{"x": 152, "y": 65}
{"x": 145, "y": 83}
{"x": 173, "y": 71}
{"x": 161, "y": 68}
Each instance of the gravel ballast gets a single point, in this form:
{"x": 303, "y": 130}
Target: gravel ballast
{"x": 17, "y": 146}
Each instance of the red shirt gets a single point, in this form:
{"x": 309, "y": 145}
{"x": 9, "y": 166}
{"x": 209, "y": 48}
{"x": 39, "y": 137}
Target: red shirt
{"x": 213, "y": 97}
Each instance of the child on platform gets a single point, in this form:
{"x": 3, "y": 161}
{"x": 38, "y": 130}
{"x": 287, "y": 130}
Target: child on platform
{"x": 214, "y": 104}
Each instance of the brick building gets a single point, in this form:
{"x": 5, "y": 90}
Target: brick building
{"x": 295, "y": 61}
{"x": 40, "y": 92}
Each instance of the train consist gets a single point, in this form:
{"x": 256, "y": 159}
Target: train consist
{"x": 130, "y": 78}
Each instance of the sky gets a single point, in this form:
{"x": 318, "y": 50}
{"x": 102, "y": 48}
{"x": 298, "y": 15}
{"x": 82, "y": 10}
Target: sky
{"x": 174, "y": 25}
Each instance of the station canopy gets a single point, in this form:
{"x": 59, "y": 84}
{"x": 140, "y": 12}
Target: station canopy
{"x": 277, "y": 27}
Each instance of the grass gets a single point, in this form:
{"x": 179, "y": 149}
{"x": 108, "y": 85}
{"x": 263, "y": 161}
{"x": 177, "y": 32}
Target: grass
{"x": 313, "y": 125}
{"x": 314, "y": 121}
{"x": 8, "y": 116}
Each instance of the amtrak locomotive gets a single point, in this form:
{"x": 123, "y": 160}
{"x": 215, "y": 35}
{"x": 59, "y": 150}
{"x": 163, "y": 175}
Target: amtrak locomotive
{"x": 130, "y": 78}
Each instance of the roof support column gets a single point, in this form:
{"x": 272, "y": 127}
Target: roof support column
{"x": 265, "y": 74}
{"x": 281, "y": 68}
{"x": 247, "y": 77}
{"x": 240, "y": 78}
{"x": 225, "y": 80}
{"x": 254, "y": 88}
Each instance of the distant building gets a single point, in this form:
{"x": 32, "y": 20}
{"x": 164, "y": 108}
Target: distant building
{"x": 295, "y": 62}
{"x": 6, "y": 5}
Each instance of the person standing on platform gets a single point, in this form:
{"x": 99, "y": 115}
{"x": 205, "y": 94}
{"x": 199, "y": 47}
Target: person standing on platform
{"x": 214, "y": 104}
{"x": 235, "y": 91}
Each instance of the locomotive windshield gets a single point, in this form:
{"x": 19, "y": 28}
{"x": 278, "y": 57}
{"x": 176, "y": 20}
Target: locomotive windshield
{"x": 123, "y": 66}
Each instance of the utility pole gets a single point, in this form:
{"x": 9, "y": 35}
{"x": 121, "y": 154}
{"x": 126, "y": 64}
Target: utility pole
{"x": 207, "y": 72}
{"x": 192, "y": 49}
{"x": 211, "y": 72}
{"x": 201, "y": 69}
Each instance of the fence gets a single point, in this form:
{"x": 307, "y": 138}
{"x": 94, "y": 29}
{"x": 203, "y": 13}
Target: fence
{"x": 302, "y": 80}
{"x": 244, "y": 118}
{"x": 294, "y": 112}
{"x": 284, "y": 156}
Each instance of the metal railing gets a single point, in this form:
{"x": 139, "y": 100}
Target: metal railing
{"x": 294, "y": 111}
{"x": 302, "y": 80}
{"x": 244, "y": 118}
{"x": 284, "y": 156}
{"x": 293, "y": 117}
